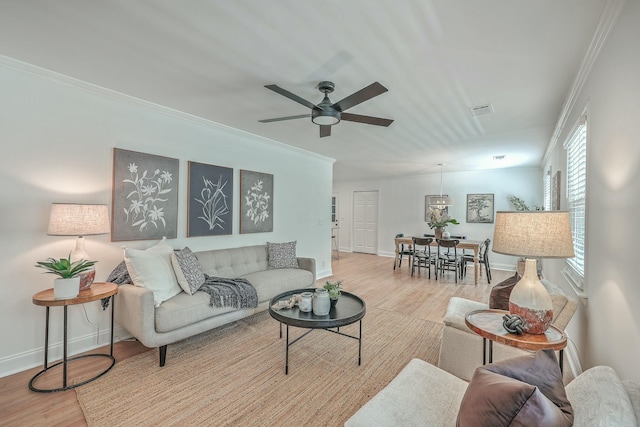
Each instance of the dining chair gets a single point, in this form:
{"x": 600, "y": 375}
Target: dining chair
{"x": 483, "y": 258}
{"x": 448, "y": 260}
{"x": 422, "y": 256}
{"x": 402, "y": 251}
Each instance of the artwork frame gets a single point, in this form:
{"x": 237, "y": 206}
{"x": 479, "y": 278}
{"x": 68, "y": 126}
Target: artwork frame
{"x": 555, "y": 192}
{"x": 144, "y": 196}
{"x": 210, "y": 200}
{"x": 444, "y": 211}
{"x": 256, "y": 202}
{"x": 480, "y": 208}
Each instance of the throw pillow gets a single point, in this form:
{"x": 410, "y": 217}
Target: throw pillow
{"x": 187, "y": 268}
{"x": 152, "y": 269}
{"x": 523, "y": 391}
{"x": 282, "y": 255}
{"x": 500, "y": 293}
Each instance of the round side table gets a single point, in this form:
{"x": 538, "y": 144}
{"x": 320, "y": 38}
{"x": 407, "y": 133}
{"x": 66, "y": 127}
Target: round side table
{"x": 45, "y": 298}
{"x": 488, "y": 324}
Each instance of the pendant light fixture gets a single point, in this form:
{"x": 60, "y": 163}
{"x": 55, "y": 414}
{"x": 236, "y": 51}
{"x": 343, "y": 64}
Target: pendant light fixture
{"x": 440, "y": 202}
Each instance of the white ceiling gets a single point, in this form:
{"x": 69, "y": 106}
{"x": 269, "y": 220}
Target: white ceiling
{"x": 437, "y": 58}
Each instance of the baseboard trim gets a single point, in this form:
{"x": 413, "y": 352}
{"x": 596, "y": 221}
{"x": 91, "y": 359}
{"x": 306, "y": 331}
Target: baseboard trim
{"x": 20, "y": 362}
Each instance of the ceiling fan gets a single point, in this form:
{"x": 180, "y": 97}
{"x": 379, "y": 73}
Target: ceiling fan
{"x": 327, "y": 113}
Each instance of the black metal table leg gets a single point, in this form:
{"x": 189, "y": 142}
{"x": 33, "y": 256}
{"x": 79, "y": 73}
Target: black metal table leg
{"x": 64, "y": 351}
{"x": 360, "y": 344}
{"x": 286, "y": 358}
{"x": 484, "y": 351}
{"x": 46, "y": 342}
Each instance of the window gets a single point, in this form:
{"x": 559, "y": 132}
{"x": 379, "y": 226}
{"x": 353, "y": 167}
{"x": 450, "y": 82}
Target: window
{"x": 576, "y": 148}
{"x": 547, "y": 190}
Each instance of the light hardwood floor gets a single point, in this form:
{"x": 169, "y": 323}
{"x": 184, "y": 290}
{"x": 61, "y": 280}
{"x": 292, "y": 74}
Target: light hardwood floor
{"x": 369, "y": 276}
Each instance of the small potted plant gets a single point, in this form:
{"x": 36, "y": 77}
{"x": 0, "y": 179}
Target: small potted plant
{"x": 437, "y": 220}
{"x": 334, "y": 291}
{"x": 67, "y": 285}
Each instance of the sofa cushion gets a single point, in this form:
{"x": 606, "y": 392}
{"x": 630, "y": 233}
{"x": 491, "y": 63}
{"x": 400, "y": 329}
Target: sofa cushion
{"x": 599, "y": 398}
{"x": 184, "y": 310}
{"x": 526, "y": 390}
{"x": 233, "y": 262}
{"x": 500, "y": 293}
{"x": 152, "y": 269}
{"x": 282, "y": 255}
{"x": 269, "y": 283}
{"x": 187, "y": 268}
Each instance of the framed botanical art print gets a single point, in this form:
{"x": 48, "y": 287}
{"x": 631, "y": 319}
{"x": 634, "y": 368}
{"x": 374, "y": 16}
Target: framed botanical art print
{"x": 144, "y": 196}
{"x": 480, "y": 208}
{"x": 210, "y": 204}
{"x": 256, "y": 202}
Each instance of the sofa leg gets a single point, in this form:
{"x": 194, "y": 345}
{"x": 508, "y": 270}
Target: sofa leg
{"x": 163, "y": 355}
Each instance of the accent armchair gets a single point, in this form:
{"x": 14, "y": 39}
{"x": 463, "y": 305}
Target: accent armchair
{"x": 461, "y": 348}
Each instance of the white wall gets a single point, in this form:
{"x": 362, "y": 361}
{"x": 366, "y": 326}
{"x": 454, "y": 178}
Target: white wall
{"x": 606, "y": 329}
{"x": 402, "y": 204}
{"x": 57, "y": 138}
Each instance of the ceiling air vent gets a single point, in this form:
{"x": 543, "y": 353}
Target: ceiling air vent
{"x": 481, "y": 110}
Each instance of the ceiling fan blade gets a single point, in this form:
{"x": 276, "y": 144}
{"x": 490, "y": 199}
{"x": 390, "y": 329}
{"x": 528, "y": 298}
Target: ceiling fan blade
{"x": 291, "y": 96}
{"x": 278, "y": 119}
{"x": 325, "y": 130}
{"x": 366, "y": 119}
{"x": 374, "y": 89}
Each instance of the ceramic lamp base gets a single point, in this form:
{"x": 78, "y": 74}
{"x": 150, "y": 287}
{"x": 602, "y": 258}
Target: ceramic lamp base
{"x": 530, "y": 300}
{"x": 87, "y": 278}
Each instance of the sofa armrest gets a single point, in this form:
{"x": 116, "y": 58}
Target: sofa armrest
{"x": 135, "y": 311}
{"x": 633, "y": 390}
{"x": 599, "y": 398}
{"x": 308, "y": 264}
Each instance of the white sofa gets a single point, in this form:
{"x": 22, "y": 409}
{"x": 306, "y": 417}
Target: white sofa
{"x": 424, "y": 395}
{"x": 185, "y": 315}
{"x": 461, "y": 348}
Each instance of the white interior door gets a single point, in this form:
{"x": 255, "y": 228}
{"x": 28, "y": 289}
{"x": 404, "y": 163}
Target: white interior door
{"x": 365, "y": 221}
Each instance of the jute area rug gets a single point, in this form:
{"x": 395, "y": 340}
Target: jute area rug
{"x": 234, "y": 375}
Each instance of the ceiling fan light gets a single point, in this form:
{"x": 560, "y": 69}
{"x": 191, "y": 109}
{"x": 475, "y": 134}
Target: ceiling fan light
{"x": 325, "y": 117}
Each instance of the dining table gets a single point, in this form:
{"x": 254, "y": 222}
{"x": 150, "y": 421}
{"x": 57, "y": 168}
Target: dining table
{"x": 473, "y": 245}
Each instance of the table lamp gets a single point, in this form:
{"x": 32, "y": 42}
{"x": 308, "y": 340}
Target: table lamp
{"x": 67, "y": 219}
{"x": 533, "y": 234}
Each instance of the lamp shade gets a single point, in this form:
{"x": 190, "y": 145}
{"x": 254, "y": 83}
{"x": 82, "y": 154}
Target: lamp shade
{"x": 533, "y": 234}
{"x": 67, "y": 219}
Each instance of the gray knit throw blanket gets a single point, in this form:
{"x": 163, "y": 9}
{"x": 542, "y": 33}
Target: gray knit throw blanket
{"x": 236, "y": 293}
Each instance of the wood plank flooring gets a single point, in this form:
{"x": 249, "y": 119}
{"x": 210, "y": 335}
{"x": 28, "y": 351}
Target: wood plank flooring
{"x": 369, "y": 276}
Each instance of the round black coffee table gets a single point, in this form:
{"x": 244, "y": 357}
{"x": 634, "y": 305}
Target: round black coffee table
{"x": 349, "y": 309}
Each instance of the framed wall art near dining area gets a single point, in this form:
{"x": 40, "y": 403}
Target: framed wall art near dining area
{"x": 480, "y": 208}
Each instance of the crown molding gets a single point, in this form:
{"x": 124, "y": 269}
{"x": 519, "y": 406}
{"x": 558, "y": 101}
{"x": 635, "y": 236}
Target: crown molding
{"x": 149, "y": 106}
{"x": 609, "y": 17}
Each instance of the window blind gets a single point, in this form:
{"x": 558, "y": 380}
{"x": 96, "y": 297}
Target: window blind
{"x": 547, "y": 191}
{"x": 576, "y": 149}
